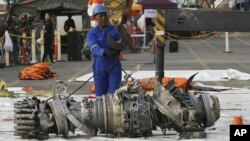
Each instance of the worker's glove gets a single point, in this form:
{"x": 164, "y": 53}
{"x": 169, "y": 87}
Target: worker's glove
{"x": 114, "y": 44}
{"x": 110, "y": 52}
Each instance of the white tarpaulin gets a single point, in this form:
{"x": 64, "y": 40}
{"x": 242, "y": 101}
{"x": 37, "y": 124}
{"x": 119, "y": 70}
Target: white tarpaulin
{"x": 150, "y": 13}
{"x": 141, "y": 23}
{"x": 2, "y": 2}
{"x": 16, "y": 90}
{"x": 203, "y": 75}
{"x": 8, "y": 43}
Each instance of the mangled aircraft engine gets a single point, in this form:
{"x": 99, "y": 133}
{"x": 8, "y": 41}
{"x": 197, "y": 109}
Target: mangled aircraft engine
{"x": 129, "y": 112}
{"x": 187, "y": 113}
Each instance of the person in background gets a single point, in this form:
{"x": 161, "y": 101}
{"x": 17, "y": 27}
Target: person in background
{"x": 149, "y": 30}
{"x": 13, "y": 28}
{"x": 48, "y": 38}
{"x": 24, "y": 24}
{"x": 106, "y": 65}
{"x": 69, "y": 23}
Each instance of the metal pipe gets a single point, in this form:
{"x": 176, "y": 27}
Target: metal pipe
{"x": 33, "y": 47}
{"x": 42, "y": 44}
{"x": 7, "y": 58}
{"x": 55, "y": 44}
{"x": 159, "y": 73}
{"x": 227, "y": 42}
{"x": 59, "y": 45}
{"x": 24, "y": 47}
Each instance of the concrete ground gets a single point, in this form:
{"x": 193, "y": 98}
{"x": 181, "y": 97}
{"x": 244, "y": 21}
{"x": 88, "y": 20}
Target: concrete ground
{"x": 192, "y": 55}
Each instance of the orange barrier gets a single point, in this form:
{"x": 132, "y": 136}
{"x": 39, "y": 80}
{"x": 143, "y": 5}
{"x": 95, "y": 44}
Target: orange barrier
{"x": 121, "y": 56}
{"x": 237, "y": 120}
{"x": 92, "y": 89}
{"x": 55, "y": 45}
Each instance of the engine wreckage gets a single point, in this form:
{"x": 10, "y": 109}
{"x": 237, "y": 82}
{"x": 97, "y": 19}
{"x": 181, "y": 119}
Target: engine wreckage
{"x": 129, "y": 112}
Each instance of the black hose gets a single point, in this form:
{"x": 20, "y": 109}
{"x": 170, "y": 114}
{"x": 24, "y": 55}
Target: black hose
{"x": 79, "y": 87}
{"x": 109, "y": 67}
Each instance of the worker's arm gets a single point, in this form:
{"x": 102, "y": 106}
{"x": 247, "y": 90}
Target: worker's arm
{"x": 65, "y": 27}
{"x": 116, "y": 40}
{"x": 93, "y": 46}
{"x": 114, "y": 34}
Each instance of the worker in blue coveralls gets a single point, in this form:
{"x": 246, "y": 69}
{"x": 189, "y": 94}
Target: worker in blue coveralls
{"x": 106, "y": 65}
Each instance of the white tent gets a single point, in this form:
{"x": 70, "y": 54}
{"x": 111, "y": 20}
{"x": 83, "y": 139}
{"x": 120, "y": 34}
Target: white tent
{"x": 2, "y": 5}
{"x": 2, "y": 2}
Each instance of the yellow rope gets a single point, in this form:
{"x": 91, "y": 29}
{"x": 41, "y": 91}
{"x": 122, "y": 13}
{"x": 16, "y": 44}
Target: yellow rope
{"x": 86, "y": 29}
{"x": 1, "y": 38}
{"x": 20, "y": 36}
{"x": 193, "y": 37}
{"x": 196, "y": 42}
{"x": 240, "y": 40}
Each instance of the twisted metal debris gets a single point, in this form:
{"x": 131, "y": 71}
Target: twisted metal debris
{"x": 130, "y": 112}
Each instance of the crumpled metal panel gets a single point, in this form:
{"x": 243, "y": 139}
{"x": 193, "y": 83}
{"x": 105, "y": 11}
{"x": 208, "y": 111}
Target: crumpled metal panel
{"x": 59, "y": 114}
{"x": 169, "y": 106}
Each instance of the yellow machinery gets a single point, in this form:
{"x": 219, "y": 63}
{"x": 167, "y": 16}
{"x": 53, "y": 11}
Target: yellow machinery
{"x": 118, "y": 11}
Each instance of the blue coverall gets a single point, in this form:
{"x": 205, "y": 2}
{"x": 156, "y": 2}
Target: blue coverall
{"x": 107, "y": 71}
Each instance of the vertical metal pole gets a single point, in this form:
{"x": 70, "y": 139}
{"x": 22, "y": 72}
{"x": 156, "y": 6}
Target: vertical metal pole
{"x": 160, "y": 42}
{"x": 33, "y": 47}
{"x": 7, "y": 58}
{"x": 145, "y": 33}
{"x": 59, "y": 45}
{"x": 160, "y": 62}
{"x": 42, "y": 44}
{"x": 24, "y": 47}
{"x": 55, "y": 44}
{"x": 227, "y": 42}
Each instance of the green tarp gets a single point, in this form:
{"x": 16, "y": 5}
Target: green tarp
{"x": 37, "y": 8}
{"x": 57, "y": 7}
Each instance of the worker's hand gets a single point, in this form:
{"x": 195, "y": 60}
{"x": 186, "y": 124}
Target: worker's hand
{"x": 110, "y": 52}
{"x": 112, "y": 43}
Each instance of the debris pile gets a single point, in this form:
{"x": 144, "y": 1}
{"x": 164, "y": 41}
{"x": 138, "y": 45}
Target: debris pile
{"x": 148, "y": 84}
{"x": 37, "y": 71}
